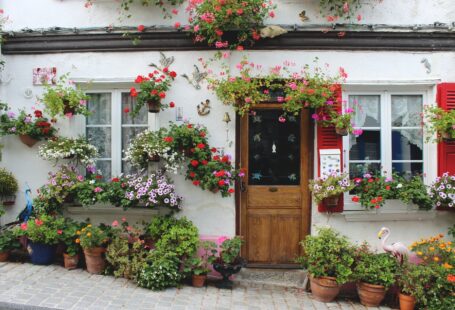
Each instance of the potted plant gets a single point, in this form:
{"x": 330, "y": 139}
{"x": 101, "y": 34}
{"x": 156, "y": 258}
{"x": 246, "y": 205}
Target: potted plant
{"x": 228, "y": 262}
{"x": 152, "y": 89}
{"x": 92, "y": 240}
{"x": 328, "y": 188}
{"x": 374, "y": 273}
{"x": 69, "y": 236}
{"x": 198, "y": 265}
{"x": 64, "y": 99}
{"x": 43, "y": 234}
{"x": 8, "y": 242}
{"x": 8, "y": 187}
{"x": 342, "y": 122}
{"x": 439, "y": 124}
{"x": 442, "y": 191}
{"x": 372, "y": 191}
{"x": 328, "y": 257}
{"x": 76, "y": 150}
{"x": 410, "y": 282}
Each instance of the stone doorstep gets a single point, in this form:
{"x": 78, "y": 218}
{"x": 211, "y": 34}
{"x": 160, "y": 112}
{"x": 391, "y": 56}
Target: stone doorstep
{"x": 15, "y": 306}
{"x": 271, "y": 278}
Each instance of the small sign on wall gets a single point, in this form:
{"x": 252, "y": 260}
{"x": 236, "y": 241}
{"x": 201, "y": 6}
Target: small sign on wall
{"x": 43, "y": 76}
{"x": 330, "y": 161}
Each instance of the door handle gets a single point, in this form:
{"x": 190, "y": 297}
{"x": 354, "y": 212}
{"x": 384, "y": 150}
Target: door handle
{"x": 273, "y": 189}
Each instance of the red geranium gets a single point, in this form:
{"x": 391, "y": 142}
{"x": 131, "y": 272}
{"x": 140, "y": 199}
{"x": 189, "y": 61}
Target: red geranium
{"x": 204, "y": 162}
{"x": 168, "y": 139}
{"x": 172, "y": 74}
{"x": 200, "y": 145}
{"x": 196, "y": 182}
{"x": 38, "y": 113}
{"x": 115, "y": 180}
{"x": 221, "y": 183}
{"x": 192, "y": 174}
{"x": 231, "y": 190}
{"x": 355, "y": 199}
{"x": 194, "y": 163}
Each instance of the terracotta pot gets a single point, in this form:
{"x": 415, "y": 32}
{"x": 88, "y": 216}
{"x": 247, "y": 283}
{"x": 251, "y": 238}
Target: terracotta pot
{"x": 154, "y": 106}
{"x": 215, "y": 190}
{"x": 341, "y": 131}
{"x": 199, "y": 280}
{"x": 94, "y": 260}
{"x": 331, "y": 202}
{"x": 4, "y": 256}
{"x": 324, "y": 289}
{"x": 154, "y": 158}
{"x": 370, "y": 295}
{"x": 407, "y": 302}
{"x": 8, "y": 200}
{"x": 27, "y": 140}
{"x": 70, "y": 261}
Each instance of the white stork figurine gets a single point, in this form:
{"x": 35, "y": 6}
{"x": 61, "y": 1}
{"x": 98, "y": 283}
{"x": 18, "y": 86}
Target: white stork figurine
{"x": 397, "y": 249}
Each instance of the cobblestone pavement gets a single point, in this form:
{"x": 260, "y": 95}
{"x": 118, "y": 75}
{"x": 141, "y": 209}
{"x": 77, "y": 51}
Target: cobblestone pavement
{"x": 26, "y": 286}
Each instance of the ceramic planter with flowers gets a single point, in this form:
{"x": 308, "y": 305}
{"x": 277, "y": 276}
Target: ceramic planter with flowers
{"x": 439, "y": 124}
{"x": 93, "y": 240}
{"x": 151, "y": 90}
{"x": 199, "y": 264}
{"x": 64, "y": 99}
{"x": 442, "y": 192}
{"x": 228, "y": 23}
{"x": 328, "y": 257}
{"x": 228, "y": 261}
{"x": 43, "y": 234}
{"x": 8, "y": 187}
{"x": 8, "y": 242}
{"x": 328, "y": 188}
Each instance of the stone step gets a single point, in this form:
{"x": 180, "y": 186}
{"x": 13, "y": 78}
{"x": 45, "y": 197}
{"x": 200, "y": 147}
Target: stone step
{"x": 270, "y": 278}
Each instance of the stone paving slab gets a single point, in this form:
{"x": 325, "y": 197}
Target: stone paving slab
{"x": 26, "y": 286}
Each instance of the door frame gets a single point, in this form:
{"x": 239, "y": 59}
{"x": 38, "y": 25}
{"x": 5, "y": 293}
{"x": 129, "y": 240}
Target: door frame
{"x": 307, "y": 134}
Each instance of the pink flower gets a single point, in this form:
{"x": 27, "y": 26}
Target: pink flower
{"x": 219, "y": 44}
{"x": 247, "y": 99}
{"x": 359, "y": 17}
{"x": 98, "y": 189}
{"x": 292, "y": 86}
{"x": 272, "y": 14}
{"x": 59, "y": 231}
{"x": 177, "y": 25}
{"x": 196, "y": 28}
{"x": 266, "y": 91}
{"x": 281, "y": 119}
{"x": 280, "y": 99}
{"x": 80, "y": 178}
{"x": 82, "y": 102}
{"x": 315, "y": 116}
{"x": 348, "y": 111}
{"x": 114, "y": 223}
{"x": 222, "y": 239}
{"x": 123, "y": 219}
{"x": 357, "y": 132}
{"x": 140, "y": 28}
{"x": 129, "y": 228}
{"x": 24, "y": 226}
{"x": 38, "y": 222}
{"x": 346, "y": 7}
{"x": 343, "y": 73}
{"x": 69, "y": 115}
{"x": 175, "y": 11}
{"x": 225, "y": 55}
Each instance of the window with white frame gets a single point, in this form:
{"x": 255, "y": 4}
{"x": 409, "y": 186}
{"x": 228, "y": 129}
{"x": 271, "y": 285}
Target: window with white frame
{"x": 392, "y": 139}
{"x": 110, "y": 127}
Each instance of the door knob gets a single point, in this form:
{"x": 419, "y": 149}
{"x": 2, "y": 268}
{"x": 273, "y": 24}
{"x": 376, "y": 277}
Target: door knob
{"x": 273, "y": 189}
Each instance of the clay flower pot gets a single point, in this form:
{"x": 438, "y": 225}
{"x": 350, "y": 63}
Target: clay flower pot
{"x": 27, "y": 140}
{"x": 4, "y": 256}
{"x": 370, "y": 295}
{"x": 155, "y": 158}
{"x": 331, "y": 202}
{"x": 407, "y": 302}
{"x": 70, "y": 261}
{"x": 8, "y": 200}
{"x": 154, "y": 106}
{"x": 341, "y": 131}
{"x": 324, "y": 289}
{"x": 198, "y": 280}
{"x": 94, "y": 260}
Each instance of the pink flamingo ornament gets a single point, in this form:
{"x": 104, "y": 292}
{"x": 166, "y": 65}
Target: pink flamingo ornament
{"x": 397, "y": 249}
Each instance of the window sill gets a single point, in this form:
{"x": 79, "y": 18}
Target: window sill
{"x": 392, "y": 215}
{"x": 108, "y": 209}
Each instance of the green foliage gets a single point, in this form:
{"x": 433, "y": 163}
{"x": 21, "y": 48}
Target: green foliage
{"x": 92, "y": 236}
{"x": 126, "y": 4}
{"x": 8, "y": 240}
{"x": 44, "y": 229}
{"x": 114, "y": 193}
{"x": 64, "y": 98}
{"x": 161, "y": 272}
{"x": 199, "y": 264}
{"x": 416, "y": 192}
{"x": 69, "y": 235}
{"x": 372, "y": 191}
{"x": 452, "y": 231}
{"x": 328, "y": 254}
{"x": 37, "y": 126}
{"x": 330, "y": 186}
{"x": 439, "y": 123}
{"x": 373, "y": 268}
{"x": 8, "y": 183}
{"x": 230, "y": 250}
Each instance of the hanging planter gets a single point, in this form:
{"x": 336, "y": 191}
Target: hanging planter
{"x": 8, "y": 200}
{"x": 27, "y": 140}
{"x": 447, "y": 137}
{"x": 154, "y": 105}
{"x": 331, "y": 202}
{"x": 154, "y": 158}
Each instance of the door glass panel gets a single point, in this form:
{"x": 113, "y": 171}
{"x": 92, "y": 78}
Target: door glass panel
{"x": 274, "y": 149}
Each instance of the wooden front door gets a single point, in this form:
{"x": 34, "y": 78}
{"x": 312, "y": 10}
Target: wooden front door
{"x": 274, "y": 196}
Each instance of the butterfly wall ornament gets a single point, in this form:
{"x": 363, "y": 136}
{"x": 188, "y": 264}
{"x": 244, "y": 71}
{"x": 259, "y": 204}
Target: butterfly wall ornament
{"x": 196, "y": 77}
{"x": 165, "y": 62}
{"x": 256, "y": 176}
{"x": 303, "y": 16}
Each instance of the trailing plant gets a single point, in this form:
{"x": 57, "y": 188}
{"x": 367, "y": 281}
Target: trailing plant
{"x": 152, "y": 87}
{"x": 69, "y": 235}
{"x": 439, "y": 123}
{"x": 37, "y": 126}
{"x": 64, "y": 99}
{"x": 8, "y": 183}
{"x": 442, "y": 191}
{"x": 211, "y": 19}
{"x": 341, "y": 121}
{"x": 328, "y": 254}
{"x": 339, "y": 8}
{"x": 374, "y": 268}
{"x": 8, "y": 241}
{"x": 44, "y": 229}
{"x": 91, "y": 237}
{"x": 330, "y": 186}
{"x": 77, "y": 150}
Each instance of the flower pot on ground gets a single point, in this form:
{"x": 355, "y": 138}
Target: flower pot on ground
{"x": 328, "y": 257}
{"x": 70, "y": 238}
{"x": 92, "y": 240}
{"x": 198, "y": 280}
{"x": 370, "y": 295}
{"x": 70, "y": 261}
{"x": 41, "y": 253}
{"x": 407, "y": 302}
{"x": 94, "y": 259}
{"x": 8, "y": 242}
{"x": 27, "y": 140}
{"x": 4, "y": 255}
{"x": 228, "y": 262}
{"x": 198, "y": 265}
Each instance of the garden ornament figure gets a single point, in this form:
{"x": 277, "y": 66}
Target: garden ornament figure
{"x": 27, "y": 212}
{"x": 397, "y": 249}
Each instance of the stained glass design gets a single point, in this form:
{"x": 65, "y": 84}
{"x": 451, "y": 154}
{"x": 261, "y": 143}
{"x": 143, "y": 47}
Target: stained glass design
{"x": 274, "y": 148}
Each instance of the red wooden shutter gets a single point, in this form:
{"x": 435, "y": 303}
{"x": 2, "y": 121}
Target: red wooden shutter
{"x": 446, "y": 151}
{"x": 328, "y": 139}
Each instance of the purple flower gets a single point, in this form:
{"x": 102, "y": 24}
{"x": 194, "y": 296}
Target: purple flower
{"x": 11, "y": 114}
{"x": 91, "y": 169}
{"x": 315, "y": 116}
{"x": 27, "y": 120}
{"x": 367, "y": 176}
{"x": 12, "y": 129}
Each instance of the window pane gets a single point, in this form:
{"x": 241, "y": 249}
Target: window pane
{"x": 105, "y": 167}
{"x": 128, "y": 102}
{"x": 367, "y": 110}
{"x": 101, "y": 138}
{"x": 357, "y": 170}
{"x": 367, "y": 146}
{"x": 127, "y": 168}
{"x": 128, "y": 133}
{"x": 407, "y": 144}
{"x": 406, "y": 110}
{"x": 408, "y": 168}
{"x": 100, "y": 107}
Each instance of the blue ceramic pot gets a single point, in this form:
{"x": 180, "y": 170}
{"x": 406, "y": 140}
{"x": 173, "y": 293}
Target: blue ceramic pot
{"x": 40, "y": 253}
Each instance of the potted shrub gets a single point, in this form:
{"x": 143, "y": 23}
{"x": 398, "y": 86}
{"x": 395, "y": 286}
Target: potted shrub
{"x": 92, "y": 240}
{"x": 152, "y": 89}
{"x": 328, "y": 257}
{"x": 442, "y": 191}
{"x": 8, "y": 242}
{"x": 410, "y": 282}
{"x": 43, "y": 233}
{"x": 198, "y": 265}
{"x": 8, "y": 187}
{"x": 76, "y": 150}
{"x": 328, "y": 188}
{"x": 342, "y": 122}
{"x": 64, "y": 99}
{"x": 439, "y": 124}
{"x": 69, "y": 236}
{"x": 228, "y": 262}
{"x": 375, "y": 273}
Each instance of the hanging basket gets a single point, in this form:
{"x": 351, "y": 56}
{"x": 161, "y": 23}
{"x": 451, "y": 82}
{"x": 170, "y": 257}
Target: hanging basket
{"x": 154, "y": 158}
{"x": 8, "y": 200}
{"x": 27, "y": 140}
{"x": 446, "y": 137}
{"x": 341, "y": 131}
{"x": 154, "y": 106}
{"x": 331, "y": 202}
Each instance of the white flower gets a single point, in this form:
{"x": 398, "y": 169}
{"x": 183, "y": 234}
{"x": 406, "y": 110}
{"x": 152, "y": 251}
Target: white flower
{"x": 399, "y": 185}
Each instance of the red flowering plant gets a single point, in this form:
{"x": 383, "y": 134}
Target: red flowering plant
{"x": 45, "y": 229}
{"x": 211, "y": 19}
{"x": 36, "y": 126}
{"x": 371, "y": 191}
{"x": 152, "y": 89}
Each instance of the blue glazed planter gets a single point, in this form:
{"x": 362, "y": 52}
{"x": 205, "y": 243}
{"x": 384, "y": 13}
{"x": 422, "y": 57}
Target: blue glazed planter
{"x": 40, "y": 253}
